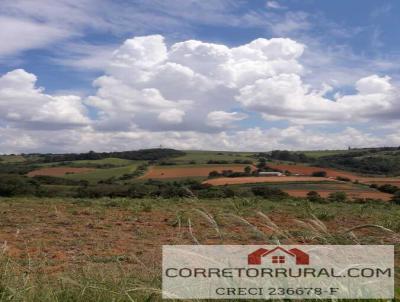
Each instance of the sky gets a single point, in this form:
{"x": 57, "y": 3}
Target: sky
{"x": 255, "y": 75}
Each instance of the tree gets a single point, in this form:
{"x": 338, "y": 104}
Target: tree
{"x": 267, "y": 192}
{"x": 262, "y": 163}
{"x": 319, "y": 174}
{"x": 388, "y": 188}
{"x": 247, "y": 170}
{"x": 314, "y": 196}
{"x": 213, "y": 174}
{"x": 396, "y": 198}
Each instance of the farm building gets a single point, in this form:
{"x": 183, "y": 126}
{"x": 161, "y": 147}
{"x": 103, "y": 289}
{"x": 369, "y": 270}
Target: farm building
{"x": 270, "y": 174}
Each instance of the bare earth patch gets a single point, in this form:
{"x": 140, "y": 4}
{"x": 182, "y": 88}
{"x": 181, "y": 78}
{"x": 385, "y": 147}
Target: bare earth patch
{"x": 308, "y": 170}
{"x": 58, "y": 171}
{"x": 245, "y": 180}
{"x": 70, "y": 235}
{"x": 177, "y": 172}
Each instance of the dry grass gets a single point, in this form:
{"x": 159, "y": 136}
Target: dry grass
{"x": 110, "y": 250}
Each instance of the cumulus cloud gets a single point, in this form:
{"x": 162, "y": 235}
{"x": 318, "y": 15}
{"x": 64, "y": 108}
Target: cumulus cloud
{"x": 286, "y": 97}
{"x": 24, "y": 104}
{"x": 221, "y": 119}
{"x": 191, "y": 94}
{"x": 145, "y": 78}
{"x": 172, "y": 116}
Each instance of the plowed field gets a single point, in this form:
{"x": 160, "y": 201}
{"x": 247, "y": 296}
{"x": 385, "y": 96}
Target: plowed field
{"x": 179, "y": 172}
{"x": 245, "y": 180}
{"x": 308, "y": 170}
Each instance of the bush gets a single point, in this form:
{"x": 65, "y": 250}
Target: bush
{"x": 51, "y": 180}
{"x": 337, "y": 197}
{"x": 104, "y": 190}
{"x": 396, "y": 198}
{"x": 314, "y": 196}
{"x": 217, "y": 162}
{"x": 12, "y": 185}
{"x": 387, "y": 188}
{"x": 267, "y": 192}
{"x": 319, "y": 174}
{"x": 213, "y": 174}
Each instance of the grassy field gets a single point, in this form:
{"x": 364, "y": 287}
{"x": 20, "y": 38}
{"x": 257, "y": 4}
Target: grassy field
{"x": 103, "y": 174}
{"x": 320, "y": 153}
{"x": 11, "y": 159}
{"x": 202, "y": 157}
{"x": 104, "y": 161}
{"x": 110, "y": 249}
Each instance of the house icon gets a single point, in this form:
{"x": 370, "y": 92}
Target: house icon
{"x": 278, "y": 255}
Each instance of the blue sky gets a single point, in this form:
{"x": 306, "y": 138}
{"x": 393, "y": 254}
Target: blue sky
{"x": 100, "y": 74}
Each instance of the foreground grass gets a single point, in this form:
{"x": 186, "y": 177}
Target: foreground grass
{"x": 110, "y": 249}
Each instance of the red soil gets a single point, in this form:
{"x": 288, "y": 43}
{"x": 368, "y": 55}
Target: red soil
{"x": 72, "y": 235}
{"x": 58, "y": 171}
{"x": 177, "y": 172}
{"x": 308, "y": 170}
{"x": 246, "y": 180}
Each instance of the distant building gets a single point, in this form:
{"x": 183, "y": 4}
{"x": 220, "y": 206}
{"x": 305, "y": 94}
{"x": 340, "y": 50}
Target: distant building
{"x": 270, "y": 174}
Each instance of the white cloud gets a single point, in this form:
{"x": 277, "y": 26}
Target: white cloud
{"x": 190, "y": 95}
{"x": 252, "y": 139}
{"x": 145, "y": 78}
{"x": 172, "y": 116}
{"x": 275, "y": 5}
{"x": 24, "y": 104}
{"x": 286, "y": 97}
{"x": 221, "y": 119}
{"x": 18, "y": 35}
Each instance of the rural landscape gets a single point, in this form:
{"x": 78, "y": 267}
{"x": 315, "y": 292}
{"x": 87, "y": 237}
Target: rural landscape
{"x": 90, "y": 226}
{"x": 199, "y": 137}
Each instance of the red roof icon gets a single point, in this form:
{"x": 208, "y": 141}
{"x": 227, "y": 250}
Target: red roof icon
{"x": 301, "y": 257}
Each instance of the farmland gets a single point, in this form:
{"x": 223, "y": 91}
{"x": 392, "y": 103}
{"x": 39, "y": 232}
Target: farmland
{"x": 89, "y": 227}
{"x": 58, "y": 171}
{"x": 172, "y": 172}
{"x": 202, "y": 157}
{"x": 110, "y": 249}
{"x": 65, "y": 174}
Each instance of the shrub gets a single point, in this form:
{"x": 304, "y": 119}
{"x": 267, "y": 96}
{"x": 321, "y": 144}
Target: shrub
{"x": 319, "y": 174}
{"x": 247, "y": 170}
{"x": 267, "y": 192}
{"x": 314, "y": 196}
{"x": 387, "y": 188}
{"x": 51, "y": 180}
{"x": 396, "y": 198}
{"x": 212, "y": 162}
{"x": 213, "y": 174}
{"x": 12, "y": 185}
{"x": 337, "y": 197}
{"x": 137, "y": 191}
{"x": 341, "y": 178}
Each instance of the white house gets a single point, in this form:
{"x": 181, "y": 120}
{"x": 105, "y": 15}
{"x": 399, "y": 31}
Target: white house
{"x": 270, "y": 174}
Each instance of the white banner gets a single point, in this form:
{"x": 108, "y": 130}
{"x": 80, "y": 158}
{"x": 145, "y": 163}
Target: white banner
{"x": 276, "y": 272}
